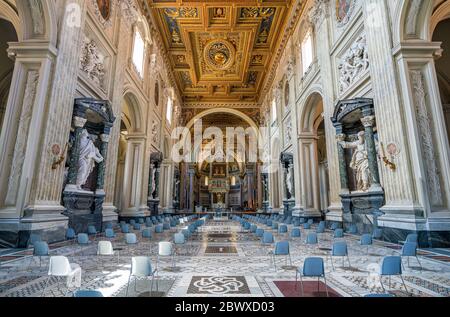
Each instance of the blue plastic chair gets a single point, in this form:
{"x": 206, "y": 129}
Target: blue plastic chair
{"x": 109, "y": 225}
{"x": 87, "y": 293}
{"x": 339, "y": 233}
{"x": 282, "y": 229}
{"x": 166, "y": 226}
{"x": 34, "y": 237}
{"x": 340, "y": 249}
{"x": 366, "y": 240}
{"x": 335, "y": 226}
{"x": 259, "y": 232}
{"x": 40, "y": 249}
{"x": 253, "y": 228}
{"x": 125, "y": 228}
{"x": 159, "y": 229}
{"x": 310, "y": 221}
{"x": 268, "y": 238}
{"x": 132, "y": 222}
{"x": 130, "y": 238}
{"x": 109, "y": 233}
{"x": 392, "y": 266}
{"x": 141, "y": 221}
{"x": 149, "y": 224}
{"x": 311, "y": 238}
{"x": 377, "y": 234}
{"x": 70, "y": 234}
{"x": 137, "y": 226}
{"x": 147, "y": 233}
{"x": 410, "y": 250}
{"x": 353, "y": 229}
{"x": 313, "y": 267}
{"x": 306, "y": 226}
{"x": 281, "y": 249}
{"x": 83, "y": 240}
{"x": 296, "y": 233}
{"x": 275, "y": 225}
{"x": 320, "y": 229}
{"x": 92, "y": 230}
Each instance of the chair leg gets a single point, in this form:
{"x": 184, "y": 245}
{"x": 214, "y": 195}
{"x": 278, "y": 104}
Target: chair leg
{"x": 332, "y": 263}
{"x": 382, "y": 285}
{"x": 296, "y": 279}
{"x": 420, "y": 264}
{"x": 128, "y": 285}
{"x": 301, "y": 282}
{"x": 404, "y": 285}
{"x": 326, "y": 285}
{"x": 45, "y": 287}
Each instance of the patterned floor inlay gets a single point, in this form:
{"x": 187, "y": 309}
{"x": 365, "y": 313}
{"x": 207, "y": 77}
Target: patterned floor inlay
{"x": 219, "y": 285}
{"x": 221, "y": 260}
{"x": 221, "y": 250}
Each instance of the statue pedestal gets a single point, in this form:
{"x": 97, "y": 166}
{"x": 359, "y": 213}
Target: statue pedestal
{"x": 288, "y": 205}
{"x": 153, "y": 205}
{"x": 266, "y": 207}
{"x": 83, "y": 208}
{"x": 362, "y": 209}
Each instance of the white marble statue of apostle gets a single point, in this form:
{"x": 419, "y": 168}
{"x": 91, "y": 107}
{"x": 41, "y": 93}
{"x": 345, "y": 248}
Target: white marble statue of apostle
{"x": 289, "y": 181}
{"x": 89, "y": 155}
{"x": 360, "y": 162}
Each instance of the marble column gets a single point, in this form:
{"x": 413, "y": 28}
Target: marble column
{"x": 191, "y": 173}
{"x": 78, "y": 123}
{"x": 368, "y": 122}
{"x": 340, "y": 137}
{"x": 265, "y": 182}
{"x": 101, "y": 166}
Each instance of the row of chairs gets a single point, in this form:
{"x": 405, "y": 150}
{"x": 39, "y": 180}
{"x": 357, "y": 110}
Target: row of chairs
{"x": 141, "y": 266}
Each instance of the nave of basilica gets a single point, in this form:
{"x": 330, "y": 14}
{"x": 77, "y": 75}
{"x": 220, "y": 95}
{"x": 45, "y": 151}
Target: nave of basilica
{"x": 251, "y": 148}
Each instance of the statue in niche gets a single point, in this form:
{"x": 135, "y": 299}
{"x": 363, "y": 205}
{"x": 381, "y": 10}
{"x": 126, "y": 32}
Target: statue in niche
{"x": 154, "y": 182}
{"x": 360, "y": 162}
{"x": 88, "y": 156}
{"x": 289, "y": 182}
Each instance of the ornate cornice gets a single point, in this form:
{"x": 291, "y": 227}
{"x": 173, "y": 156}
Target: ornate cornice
{"x": 209, "y": 105}
{"x": 289, "y": 27}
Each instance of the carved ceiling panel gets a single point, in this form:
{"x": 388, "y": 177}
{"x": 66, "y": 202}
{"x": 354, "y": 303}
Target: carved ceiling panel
{"x": 220, "y": 50}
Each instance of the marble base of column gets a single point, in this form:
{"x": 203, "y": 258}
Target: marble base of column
{"x": 47, "y": 221}
{"x": 297, "y": 211}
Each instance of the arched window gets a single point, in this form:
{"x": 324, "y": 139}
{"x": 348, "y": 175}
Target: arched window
{"x": 138, "y": 53}
{"x": 307, "y": 51}
{"x": 169, "y": 110}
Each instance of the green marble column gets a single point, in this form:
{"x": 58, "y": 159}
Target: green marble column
{"x": 78, "y": 123}
{"x": 102, "y": 165}
{"x": 369, "y": 122}
{"x": 340, "y": 137}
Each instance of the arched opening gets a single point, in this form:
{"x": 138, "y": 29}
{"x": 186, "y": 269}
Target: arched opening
{"x": 314, "y": 176}
{"x": 441, "y": 34}
{"x": 130, "y": 161}
{"x": 7, "y": 34}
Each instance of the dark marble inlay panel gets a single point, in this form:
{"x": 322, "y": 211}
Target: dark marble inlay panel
{"x": 218, "y": 285}
{"x": 221, "y": 250}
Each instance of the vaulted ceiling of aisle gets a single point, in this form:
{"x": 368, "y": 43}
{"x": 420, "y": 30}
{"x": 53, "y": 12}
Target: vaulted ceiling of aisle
{"x": 220, "y": 50}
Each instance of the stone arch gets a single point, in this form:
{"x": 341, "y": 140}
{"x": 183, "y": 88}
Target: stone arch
{"x": 39, "y": 22}
{"x": 7, "y": 13}
{"x": 309, "y": 112}
{"x": 414, "y": 22}
{"x": 134, "y": 110}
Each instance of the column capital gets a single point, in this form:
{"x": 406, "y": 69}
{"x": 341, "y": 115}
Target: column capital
{"x": 368, "y": 121}
{"x": 341, "y": 137}
{"x": 104, "y": 138}
{"x": 79, "y": 122}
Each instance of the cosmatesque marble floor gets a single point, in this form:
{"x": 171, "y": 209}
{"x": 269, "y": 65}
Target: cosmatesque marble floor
{"x": 220, "y": 261}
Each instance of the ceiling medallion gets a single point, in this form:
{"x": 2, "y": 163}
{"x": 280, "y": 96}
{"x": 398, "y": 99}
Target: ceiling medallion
{"x": 219, "y": 54}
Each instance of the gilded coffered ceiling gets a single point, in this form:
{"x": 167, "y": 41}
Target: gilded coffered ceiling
{"x": 220, "y": 50}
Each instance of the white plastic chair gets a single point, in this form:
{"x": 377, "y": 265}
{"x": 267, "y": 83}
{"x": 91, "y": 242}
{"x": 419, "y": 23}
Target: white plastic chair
{"x": 141, "y": 267}
{"x": 165, "y": 249}
{"x": 60, "y": 266}
{"x": 105, "y": 248}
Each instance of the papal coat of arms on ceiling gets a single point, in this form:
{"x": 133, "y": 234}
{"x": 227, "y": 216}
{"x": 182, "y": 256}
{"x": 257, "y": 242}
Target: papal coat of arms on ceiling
{"x": 344, "y": 11}
{"x": 104, "y": 7}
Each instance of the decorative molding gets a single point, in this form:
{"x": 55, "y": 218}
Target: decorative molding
{"x": 353, "y": 64}
{"x": 92, "y": 62}
{"x": 210, "y": 105}
{"x": 425, "y": 131}
{"x": 319, "y": 12}
{"x": 37, "y": 16}
{"x": 22, "y": 136}
{"x": 411, "y": 19}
